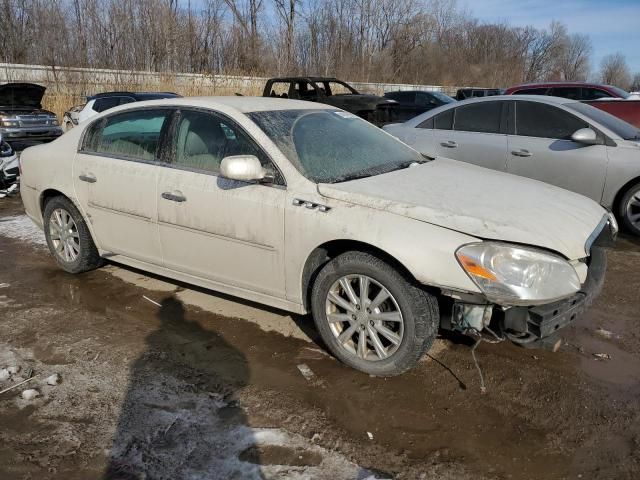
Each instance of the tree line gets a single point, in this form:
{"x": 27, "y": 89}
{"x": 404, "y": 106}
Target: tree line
{"x": 392, "y": 41}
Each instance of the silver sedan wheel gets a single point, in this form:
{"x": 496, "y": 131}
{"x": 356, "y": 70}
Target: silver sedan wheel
{"x": 633, "y": 210}
{"x": 364, "y": 317}
{"x": 64, "y": 235}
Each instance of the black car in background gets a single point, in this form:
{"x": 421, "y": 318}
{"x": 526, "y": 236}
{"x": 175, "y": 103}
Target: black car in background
{"x": 330, "y": 90}
{"x": 464, "y": 93}
{"x": 415, "y": 102}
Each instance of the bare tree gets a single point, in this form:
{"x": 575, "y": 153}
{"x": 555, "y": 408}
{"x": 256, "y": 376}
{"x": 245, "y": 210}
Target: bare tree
{"x": 615, "y": 71}
{"x": 635, "y": 83}
{"x": 574, "y": 57}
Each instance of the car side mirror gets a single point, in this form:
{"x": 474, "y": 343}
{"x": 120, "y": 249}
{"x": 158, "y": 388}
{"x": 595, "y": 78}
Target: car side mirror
{"x": 586, "y": 136}
{"x": 245, "y": 168}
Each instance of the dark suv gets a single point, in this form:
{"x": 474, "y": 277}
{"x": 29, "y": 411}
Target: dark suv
{"x": 22, "y": 117}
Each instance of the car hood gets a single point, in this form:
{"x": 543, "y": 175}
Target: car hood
{"x": 21, "y": 95}
{"x": 479, "y": 202}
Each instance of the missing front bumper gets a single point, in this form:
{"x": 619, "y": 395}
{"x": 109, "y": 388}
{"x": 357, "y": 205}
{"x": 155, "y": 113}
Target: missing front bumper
{"x": 529, "y": 325}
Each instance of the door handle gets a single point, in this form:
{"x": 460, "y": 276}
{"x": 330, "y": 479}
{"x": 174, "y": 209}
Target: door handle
{"x": 449, "y": 144}
{"x": 521, "y": 153}
{"x": 89, "y": 178}
{"x": 174, "y": 197}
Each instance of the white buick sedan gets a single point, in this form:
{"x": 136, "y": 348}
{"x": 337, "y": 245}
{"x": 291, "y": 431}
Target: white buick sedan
{"x": 308, "y": 208}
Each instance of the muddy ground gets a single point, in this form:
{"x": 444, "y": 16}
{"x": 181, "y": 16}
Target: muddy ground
{"x": 186, "y": 383}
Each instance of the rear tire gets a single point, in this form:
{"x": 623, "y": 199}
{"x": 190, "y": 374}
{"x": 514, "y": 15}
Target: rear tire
{"x": 382, "y": 338}
{"x": 68, "y": 237}
{"x": 629, "y": 211}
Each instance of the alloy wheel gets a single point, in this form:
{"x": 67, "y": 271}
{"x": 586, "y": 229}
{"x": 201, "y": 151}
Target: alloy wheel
{"x": 633, "y": 210}
{"x": 64, "y": 235}
{"x": 364, "y": 317}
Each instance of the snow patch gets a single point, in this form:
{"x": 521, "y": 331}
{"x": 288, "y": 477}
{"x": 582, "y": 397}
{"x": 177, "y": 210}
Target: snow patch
{"x": 21, "y": 227}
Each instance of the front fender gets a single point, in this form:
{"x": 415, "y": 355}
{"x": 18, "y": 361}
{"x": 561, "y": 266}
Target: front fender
{"x": 425, "y": 250}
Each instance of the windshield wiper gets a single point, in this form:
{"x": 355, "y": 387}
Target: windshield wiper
{"x": 378, "y": 170}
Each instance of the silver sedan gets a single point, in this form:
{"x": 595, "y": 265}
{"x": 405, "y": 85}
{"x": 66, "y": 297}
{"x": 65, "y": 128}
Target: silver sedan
{"x": 559, "y": 141}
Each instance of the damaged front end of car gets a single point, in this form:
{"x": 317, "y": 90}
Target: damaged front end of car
{"x": 528, "y": 294}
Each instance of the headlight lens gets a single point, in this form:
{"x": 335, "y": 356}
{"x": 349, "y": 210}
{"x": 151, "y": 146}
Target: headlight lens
{"x": 5, "y": 149}
{"x": 53, "y": 121}
{"x": 10, "y": 123}
{"x": 514, "y": 275}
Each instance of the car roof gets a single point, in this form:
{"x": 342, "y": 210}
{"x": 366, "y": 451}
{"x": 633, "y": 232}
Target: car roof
{"x": 238, "y": 103}
{"x": 131, "y": 94}
{"x": 559, "y": 84}
{"x": 513, "y": 98}
{"x": 536, "y": 98}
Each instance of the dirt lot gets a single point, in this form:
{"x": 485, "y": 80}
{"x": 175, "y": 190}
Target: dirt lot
{"x": 205, "y": 386}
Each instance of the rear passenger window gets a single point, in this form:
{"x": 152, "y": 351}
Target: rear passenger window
{"x": 444, "y": 121}
{"x": 545, "y": 121}
{"x": 203, "y": 139}
{"x": 481, "y": 117}
{"x": 132, "y": 135}
{"x": 593, "y": 94}
{"x": 428, "y": 123}
{"x": 102, "y": 104}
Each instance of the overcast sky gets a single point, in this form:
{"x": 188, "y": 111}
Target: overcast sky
{"x": 613, "y": 25}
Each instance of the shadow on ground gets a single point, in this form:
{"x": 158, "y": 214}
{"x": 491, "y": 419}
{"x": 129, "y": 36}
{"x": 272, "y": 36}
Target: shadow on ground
{"x": 180, "y": 417}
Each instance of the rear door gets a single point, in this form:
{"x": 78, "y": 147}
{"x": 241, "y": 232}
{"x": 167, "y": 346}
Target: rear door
{"x": 225, "y": 231}
{"x": 473, "y": 133}
{"x": 115, "y": 174}
{"x": 541, "y": 148}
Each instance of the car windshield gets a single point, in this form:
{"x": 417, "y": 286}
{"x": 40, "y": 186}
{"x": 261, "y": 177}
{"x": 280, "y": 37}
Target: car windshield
{"x": 329, "y": 146}
{"x": 621, "y": 128}
{"x": 442, "y": 97}
{"x": 620, "y": 92}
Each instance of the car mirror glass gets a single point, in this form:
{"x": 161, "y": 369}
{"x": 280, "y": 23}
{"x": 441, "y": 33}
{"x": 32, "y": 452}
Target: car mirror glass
{"x": 586, "y": 136}
{"x": 245, "y": 168}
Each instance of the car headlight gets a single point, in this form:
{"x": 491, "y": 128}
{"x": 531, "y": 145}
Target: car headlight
{"x": 10, "y": 123}
{"x": 515, "y": 275}
{"x": 53, "y": 121}
{"x": 5, "y": 149}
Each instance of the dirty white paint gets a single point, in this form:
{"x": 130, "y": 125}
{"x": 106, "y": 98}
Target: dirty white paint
{"x": 480, "y": 202}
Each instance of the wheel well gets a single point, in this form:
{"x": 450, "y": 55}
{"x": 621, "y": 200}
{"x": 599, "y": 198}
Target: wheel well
{"x": 329, "y": 250}
{"x": 48, "y": 195}
{"x": 618, "y": 198}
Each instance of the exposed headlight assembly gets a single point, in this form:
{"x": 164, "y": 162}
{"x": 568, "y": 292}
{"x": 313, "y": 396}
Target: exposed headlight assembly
{"x": 514, "y": 275}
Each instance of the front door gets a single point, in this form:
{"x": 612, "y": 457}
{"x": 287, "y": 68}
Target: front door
{"x": 542, "y": 149}
{"x": 473, "y": 134}
{"x": 115, "y": 176}
{"x": 225, "y": 231}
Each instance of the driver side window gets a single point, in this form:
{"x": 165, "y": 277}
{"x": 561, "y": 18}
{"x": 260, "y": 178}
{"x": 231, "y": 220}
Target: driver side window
{"x": 203, "y": 139}
{"x": 545, "y": 121}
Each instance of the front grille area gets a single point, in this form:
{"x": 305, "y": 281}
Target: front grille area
{"x": 33, "y": 120}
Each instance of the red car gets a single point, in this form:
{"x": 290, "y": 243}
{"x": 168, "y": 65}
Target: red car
{"x": 611, "y": 99}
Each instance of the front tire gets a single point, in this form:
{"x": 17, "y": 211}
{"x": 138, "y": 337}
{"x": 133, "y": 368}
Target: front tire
{"x": 370, "y": 316}
{"x": 68, "y": 237}
{"x": 629, "y": 211}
